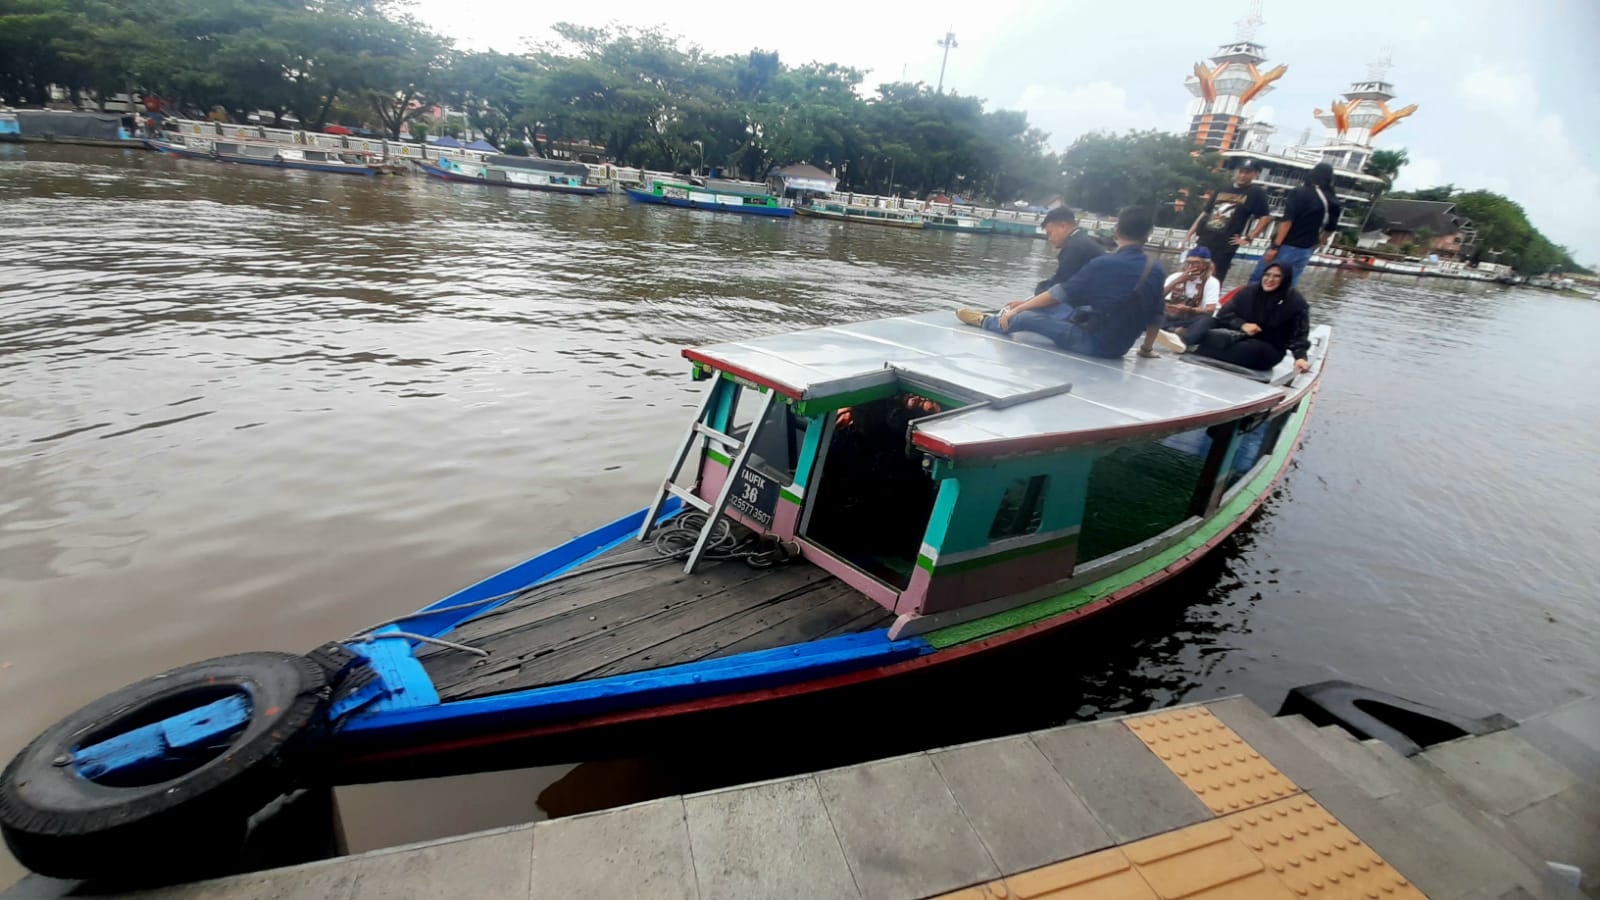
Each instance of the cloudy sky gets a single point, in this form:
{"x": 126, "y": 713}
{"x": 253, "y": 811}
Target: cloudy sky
{"x": 1509, "y": 93}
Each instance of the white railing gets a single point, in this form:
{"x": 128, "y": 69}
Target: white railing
{"x": 209, "y": 131}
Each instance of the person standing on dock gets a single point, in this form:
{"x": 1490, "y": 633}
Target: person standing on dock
{"x": 1309, "y": 218}
{"x": 1101, "y": 310}
{"x": 1221, "y": 226}
{"x": 1077, "y": 247}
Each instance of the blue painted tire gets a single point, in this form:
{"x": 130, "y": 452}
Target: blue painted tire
{"x": 187, "y": 818}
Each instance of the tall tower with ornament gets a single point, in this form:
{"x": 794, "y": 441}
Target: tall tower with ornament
{"x": 1219, "y": 115}
{"x": 1354, "y": 122}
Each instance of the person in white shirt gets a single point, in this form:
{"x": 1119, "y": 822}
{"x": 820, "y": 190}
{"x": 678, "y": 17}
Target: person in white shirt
{"x": 1189, "y": 294}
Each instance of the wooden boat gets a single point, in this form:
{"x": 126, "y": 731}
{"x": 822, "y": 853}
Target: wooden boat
{"x": 276, "y": 156}
{"x": 720, "y": 196}
{"x": 848, "y": 504}
{"x": 523, "y": 172}
{"x": 953, "y": 221}
{"x": 871, "y": 215}
{"x": 1019, "y": 227}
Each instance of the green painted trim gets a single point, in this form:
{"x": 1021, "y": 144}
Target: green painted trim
{"x": 967, "y": 565}
{"x": 783, "y": 494}
{"x": 812, "y": 406}
{"x": 743, "y": 382}
{"x": 1089, "y": 593}
{"x": 718, "y": 457}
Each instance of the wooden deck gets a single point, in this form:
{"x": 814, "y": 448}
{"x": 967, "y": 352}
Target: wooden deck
{"x": 643, "y": 617}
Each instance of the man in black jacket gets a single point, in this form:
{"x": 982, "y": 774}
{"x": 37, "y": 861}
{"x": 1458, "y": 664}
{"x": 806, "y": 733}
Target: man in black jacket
{"x": 1077, "y": 246}
{"x": 1311, "y": 215}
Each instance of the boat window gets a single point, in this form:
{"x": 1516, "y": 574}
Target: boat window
{"x": 777, "y": 447}
{"x": 871, "y": 500}
{"x": 1021, "y": 507}
{"x": 1139, "y": 490}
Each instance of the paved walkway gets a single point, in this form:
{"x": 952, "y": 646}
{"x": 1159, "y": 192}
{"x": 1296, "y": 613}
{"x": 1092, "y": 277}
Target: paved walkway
{"x": 1212, "y": 800}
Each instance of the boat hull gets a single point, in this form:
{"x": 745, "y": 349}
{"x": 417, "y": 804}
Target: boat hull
{"x": 457, "y": 736}
{"x": 638, "y": 196}
{"x": 841, "y": 217}
{"x": 960, "y": 229}
{"x": 297, "y": 164}
{"x": 1017, "y": 229}
{"x": 445, "y": 175}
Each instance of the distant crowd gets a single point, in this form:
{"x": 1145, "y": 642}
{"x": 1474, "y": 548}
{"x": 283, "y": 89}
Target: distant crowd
{"x": 1101, "y": 304}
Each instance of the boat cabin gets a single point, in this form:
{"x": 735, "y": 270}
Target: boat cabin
{"x": 935, "y": 467}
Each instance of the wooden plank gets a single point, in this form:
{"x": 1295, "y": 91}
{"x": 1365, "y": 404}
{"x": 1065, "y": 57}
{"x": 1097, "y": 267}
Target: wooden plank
{"x": 873, "y": 619}
{"x": 450, "y": 668}
{"x": 764, "y": 627}
{"x": 808, "y": 623}
{"x": 567, "y": 595}
{"x": 571, "y": 657}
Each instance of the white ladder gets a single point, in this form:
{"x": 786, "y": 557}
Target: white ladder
{"x": 695, "y": 439}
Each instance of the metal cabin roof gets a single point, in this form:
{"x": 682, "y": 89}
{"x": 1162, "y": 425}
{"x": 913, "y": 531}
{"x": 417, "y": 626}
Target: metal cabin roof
{"x": 1109, "y": 399}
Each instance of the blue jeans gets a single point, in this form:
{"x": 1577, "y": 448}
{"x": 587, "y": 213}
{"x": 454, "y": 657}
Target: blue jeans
{"x": 1293, "y": 257}
{"x": 1066, "y": 335}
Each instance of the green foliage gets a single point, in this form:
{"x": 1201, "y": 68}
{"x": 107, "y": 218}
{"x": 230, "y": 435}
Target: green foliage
{"x": 657, "y": 104}
{"x": 1436, "y": 194}
{"x": 1386, "y": 164}
{"x": 283, "y": 56}
{"x": 1504, "y": 233}
{"x": 1105, "y": 172}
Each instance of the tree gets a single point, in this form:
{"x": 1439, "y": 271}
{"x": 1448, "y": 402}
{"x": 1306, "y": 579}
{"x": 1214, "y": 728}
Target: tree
{"x": 1439, "y": 193}
{"x": 1386, "y": 164}
{"x": 1106, "y": 172}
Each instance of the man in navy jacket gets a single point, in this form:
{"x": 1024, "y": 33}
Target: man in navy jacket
{"x": 1108, "y": 303}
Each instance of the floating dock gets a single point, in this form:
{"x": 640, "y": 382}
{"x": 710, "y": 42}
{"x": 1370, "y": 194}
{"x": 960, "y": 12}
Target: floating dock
{"x": 1209, "y": 800}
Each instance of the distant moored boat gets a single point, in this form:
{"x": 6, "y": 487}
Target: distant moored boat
{"x": 713, "y": 194}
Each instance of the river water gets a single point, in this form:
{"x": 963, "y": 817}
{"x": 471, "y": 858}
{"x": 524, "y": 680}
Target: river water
{"x": 250, "y": 409}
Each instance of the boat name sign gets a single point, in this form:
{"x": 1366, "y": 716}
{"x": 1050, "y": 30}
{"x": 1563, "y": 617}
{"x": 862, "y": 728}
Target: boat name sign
{"x": 755, "y": 497}
{"x": 673, "y": 193}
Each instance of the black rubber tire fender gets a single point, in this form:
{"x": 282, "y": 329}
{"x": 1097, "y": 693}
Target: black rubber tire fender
{"x": 59, "y": 823}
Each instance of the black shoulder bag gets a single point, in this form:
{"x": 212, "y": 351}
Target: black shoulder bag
{"x": 1089, "y": 318}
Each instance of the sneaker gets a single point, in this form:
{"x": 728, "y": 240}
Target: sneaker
{"x": 970, "y": 317}
{"x": 1172, "y": 342}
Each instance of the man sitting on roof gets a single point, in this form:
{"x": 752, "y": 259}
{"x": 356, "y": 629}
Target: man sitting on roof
{"x": 1102, "y": 309}
{"x": 1077, "y": 247}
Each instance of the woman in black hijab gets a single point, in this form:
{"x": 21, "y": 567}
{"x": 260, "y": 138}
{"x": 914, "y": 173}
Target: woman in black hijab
{"x": 1257, "y": 325}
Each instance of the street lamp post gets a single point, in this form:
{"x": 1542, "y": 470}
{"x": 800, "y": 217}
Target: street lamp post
{"x": 948, "y": 42}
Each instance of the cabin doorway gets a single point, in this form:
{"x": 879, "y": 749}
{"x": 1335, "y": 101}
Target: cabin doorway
{"x": 871, "y": 498}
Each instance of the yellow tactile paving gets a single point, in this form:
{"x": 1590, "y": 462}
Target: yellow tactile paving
{"x": 1202, "y": 861}
{"x": 1313, "y": 854}
{"x": 1214, "y": 762}
{"x": 1107, "y": 875}
{"x": 1269, "y": 840}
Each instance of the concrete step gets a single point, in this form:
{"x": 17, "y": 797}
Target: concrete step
{"x": 1429, "y": 828}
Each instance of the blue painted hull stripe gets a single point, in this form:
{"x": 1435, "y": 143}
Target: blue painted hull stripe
{"x": 747, "y": 671}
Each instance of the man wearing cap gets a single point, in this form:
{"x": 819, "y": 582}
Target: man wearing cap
{"x": 1220, "y": 228}
{"x": 1309, "y": 217}
{"x": 1192, "y": 292}
{"x": 1076, "y": 246}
